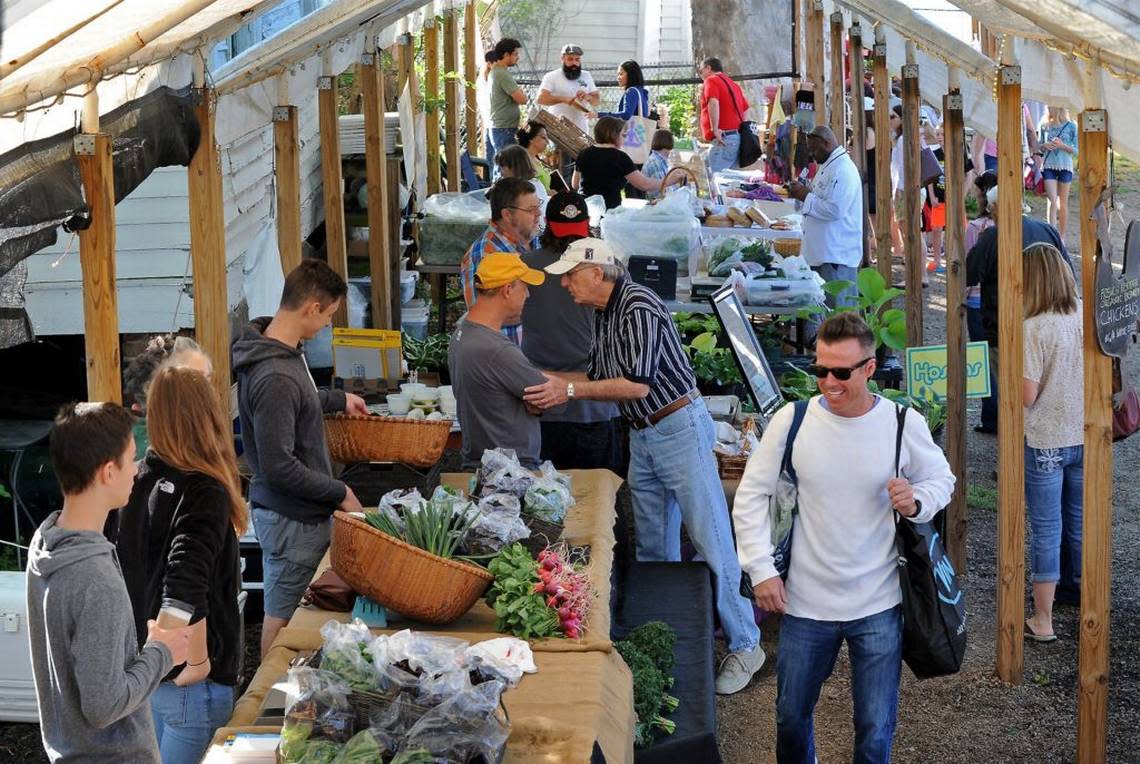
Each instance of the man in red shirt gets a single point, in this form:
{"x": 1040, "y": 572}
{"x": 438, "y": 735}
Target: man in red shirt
{"x": 723, "y": 106}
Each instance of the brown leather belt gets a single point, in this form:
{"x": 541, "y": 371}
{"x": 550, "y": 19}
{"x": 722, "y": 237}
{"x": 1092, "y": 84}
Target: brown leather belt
{"x": 664, "y": 411}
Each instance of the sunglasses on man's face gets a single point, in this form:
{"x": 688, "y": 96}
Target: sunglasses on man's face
{"x": 842, "y": 373}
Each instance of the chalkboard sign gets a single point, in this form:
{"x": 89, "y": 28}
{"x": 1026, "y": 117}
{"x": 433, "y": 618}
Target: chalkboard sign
{"x": 1117, "y": 297}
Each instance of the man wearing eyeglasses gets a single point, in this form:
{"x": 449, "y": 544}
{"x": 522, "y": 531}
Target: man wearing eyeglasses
{"x": 515, "y": 212}
{"x": 842, "y": 578}
{"x": 637, "y": 361}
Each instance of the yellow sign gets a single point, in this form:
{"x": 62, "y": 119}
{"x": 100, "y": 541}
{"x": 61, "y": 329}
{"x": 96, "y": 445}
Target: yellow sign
{"x": 926, "y": 370}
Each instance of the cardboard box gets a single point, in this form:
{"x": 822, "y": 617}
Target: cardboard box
{"x": 367, "y": 354}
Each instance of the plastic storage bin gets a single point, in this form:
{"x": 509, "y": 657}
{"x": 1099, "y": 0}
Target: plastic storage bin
{"x": 414, "y": 319}
{"x": 17, "y": 687}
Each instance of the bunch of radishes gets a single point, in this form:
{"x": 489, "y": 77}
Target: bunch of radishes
{"x": 566, "y": 587}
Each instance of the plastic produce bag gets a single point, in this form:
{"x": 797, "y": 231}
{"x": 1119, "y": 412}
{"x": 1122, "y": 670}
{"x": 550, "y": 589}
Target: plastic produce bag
{"x": 500, "y": 472}
{"x": 460, "y": 207}
{"x": 345, "y": 653}
{"x": 451, "y": 223}
{"x": 549, "y": 496}
{"x": 497, "y": 525}
{"x": 368, "y": 746}
{"x": 467, "y": 725}
{"x": 395, "y": 504}
{"x": 426, "y": 653}
{"x": 505, "y": 657}
{"x": 667, "y": 229}
{"x": 319, "y": 720}
{"x": 445, "y": 497}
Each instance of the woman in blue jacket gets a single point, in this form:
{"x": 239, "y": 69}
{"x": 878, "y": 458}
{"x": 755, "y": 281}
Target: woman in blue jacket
{"x": 634, "y": 102}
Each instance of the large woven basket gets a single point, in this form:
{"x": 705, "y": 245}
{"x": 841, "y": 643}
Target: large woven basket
{"x": 786, "y": 247}
{"x": 410, "y": 581}
{"x": 358, "y": 438}
{"x": 730, "y": 467}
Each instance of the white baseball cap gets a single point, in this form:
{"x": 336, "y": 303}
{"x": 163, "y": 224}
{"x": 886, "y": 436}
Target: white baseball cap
{"x": 589, "y": 251}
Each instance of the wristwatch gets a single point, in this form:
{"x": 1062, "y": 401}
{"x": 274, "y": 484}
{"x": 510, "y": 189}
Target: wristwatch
{"x": 569, "y": 391}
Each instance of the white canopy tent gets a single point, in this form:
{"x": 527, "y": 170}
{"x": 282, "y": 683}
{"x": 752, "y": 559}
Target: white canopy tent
{"x": 1094, "y": 72}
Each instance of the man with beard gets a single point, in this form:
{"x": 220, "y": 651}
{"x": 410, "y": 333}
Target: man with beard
{"x": 564, "y": 92}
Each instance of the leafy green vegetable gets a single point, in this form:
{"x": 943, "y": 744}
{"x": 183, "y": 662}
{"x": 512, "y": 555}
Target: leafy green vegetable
{"x": 294, "y": 736}
{"x": 649, "y": 696}
{"x": 759, "y": 251}
{"x": 435, "y": 527}
{"x": 418, "y": 756}
{"x": 519, "y": 609}
{"x": 656, "y": 639}
{"x": 429, "y": 354}
{"x": 366, "y": 747}
{"x": 355, "y": 670}
{"x": 318, "y": 752}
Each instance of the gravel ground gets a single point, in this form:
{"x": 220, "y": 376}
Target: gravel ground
{"x": 974, "y": 717}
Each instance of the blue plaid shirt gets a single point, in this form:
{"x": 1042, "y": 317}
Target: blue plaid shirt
{"x": 494, "y": 239}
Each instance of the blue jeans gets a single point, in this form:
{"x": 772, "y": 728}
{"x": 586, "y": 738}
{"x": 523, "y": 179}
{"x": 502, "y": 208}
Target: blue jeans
{"x": 806, "y": 658}
{"x": 724, "y": 157}
{"x": 673, "y": 477}
{"x": 1054, "y": 485}
{"x": 185, "y": 718}
{"x": 501, "y": 137}
{"x": 489, "y": 148}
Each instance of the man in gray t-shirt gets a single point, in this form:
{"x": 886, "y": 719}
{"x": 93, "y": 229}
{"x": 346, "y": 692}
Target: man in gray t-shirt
{"x": 488, "y": 371}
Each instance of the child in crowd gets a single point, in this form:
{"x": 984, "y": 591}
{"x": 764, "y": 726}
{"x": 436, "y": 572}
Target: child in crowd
{"x": 178, "y": 545}
{"x": 657, "y": 165}
{"x": 92, "y": 680}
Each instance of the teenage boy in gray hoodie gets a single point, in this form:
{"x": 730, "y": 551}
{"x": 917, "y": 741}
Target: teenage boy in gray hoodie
{"x": 293, "y": 493}
{"x": 92, "y": 681}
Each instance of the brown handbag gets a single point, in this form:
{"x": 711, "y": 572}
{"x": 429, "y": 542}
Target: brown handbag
{"x": 329, "y": 592}
{"x": 1125, "y": 406}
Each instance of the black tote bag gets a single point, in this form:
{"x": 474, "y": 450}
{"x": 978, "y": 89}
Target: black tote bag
{"x": 933, "y": 605}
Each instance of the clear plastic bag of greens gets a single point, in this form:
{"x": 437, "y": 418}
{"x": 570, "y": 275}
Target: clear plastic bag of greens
{"x": 497, "y": 525}
{"x": 318, "y": 720}
{"x": 368, "y": 746}
{"x": 549, "y": 497}
{"x": 395, "y": 504}
{"x": 469, "y": 724}
{"x": 501, "y": 472}
{"x": 345, "y": 653}
{"x": 426, "y": 654}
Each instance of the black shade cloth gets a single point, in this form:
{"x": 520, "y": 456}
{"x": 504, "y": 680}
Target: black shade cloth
{"x": 681, "y": 595}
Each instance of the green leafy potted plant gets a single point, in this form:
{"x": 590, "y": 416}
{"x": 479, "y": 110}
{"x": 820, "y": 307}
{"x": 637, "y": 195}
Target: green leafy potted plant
{"x": 714, "y": 367}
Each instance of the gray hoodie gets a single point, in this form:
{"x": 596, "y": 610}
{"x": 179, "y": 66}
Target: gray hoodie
{"x": 282, "y": 428}
{"x": 92, "y": 681}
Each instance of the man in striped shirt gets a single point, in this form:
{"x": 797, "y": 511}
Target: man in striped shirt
{"x": 515, "y": 212}
{"x": 638, "y": 361}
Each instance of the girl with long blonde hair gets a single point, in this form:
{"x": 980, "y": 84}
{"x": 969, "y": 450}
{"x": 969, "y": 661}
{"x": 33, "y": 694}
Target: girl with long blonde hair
{"x": 178, "y": 546}
{"x": 1053, "y": 394}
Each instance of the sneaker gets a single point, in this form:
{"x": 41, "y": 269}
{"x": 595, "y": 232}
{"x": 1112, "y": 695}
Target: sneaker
{"x": 737, "y": 670}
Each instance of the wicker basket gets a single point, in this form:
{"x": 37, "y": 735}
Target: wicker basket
{"x": 567, "y": 137}
{"x": 786, "y": 247}
{"x": 410, "y": 581}
{"x": 732, "y": 467}
{"x": 359, "y": 438}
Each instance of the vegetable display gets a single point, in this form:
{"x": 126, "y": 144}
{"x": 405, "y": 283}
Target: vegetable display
{"x": 648, "y": 651}
{"x": 540, "y": 598}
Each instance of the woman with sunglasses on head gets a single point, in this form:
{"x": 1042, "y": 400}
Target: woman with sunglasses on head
{"x": 1053, "y": 392}
{"x": 178, "y": 546}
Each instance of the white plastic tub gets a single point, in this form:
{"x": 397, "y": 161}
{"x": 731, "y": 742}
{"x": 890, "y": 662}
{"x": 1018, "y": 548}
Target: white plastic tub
{"x": 414, "y": 319}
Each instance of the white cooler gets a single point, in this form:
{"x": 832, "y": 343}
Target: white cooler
{"x": 17, "y": 688}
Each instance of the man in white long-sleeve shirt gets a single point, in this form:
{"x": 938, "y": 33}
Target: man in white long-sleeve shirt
{"x": 832, "y": 209}
{"x": 842, "y": 580}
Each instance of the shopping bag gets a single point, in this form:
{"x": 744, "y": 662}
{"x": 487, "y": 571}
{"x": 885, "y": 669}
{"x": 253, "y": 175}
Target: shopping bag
{"x": 933, "y": 605}
{"x": 638, "y": 135}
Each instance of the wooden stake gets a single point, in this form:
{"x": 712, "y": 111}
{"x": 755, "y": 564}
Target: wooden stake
{"x": 332, "y": 183}
{"x": 912, "y": 219}
{"x": 884, "y": 141}
{"x": 97, "y": 261}
{"x": 375, "y": 168}
{"x": 835, "y": 102}
{"x": 472, "y": 60}
{"x": 451, "y": 96}
{"x": 815, "y": 59}
{"x": 1011, "y": 421}
{"x": 431, "y": 110}
{"x": 1096, "y": 535}
{"x": 208, "y": 249}
{"x": 859, "y": 124}
{"x": 287, "y": 165}
{"x": 953, "y": 143}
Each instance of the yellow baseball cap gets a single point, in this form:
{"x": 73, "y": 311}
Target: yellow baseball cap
{"x": 500, "y": 268}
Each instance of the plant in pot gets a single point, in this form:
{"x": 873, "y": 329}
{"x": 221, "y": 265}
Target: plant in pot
{"x": 714, "y": 367}
{"x": 924, "y": 401}
{"x": 428, "y": 355}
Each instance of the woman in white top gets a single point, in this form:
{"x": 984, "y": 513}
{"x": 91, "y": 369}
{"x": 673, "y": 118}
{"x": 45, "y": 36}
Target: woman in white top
{"x": 1054, "y": 426}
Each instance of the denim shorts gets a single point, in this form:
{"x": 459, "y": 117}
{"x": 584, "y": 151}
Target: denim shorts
{"x": 290, "y": 553}
{"x": 1061, "y": 176}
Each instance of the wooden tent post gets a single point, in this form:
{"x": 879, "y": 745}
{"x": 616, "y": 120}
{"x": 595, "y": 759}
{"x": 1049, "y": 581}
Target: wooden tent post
{"x": 954, "y": 143}
{"x": 97, "y": 261}
{"x": 432, "y": 106}
{"x": 1011, "y": 421}
{"x": 912, "y": 233}
{"x": 815, "y": 58}
{"x": 393, "y": 217}
{"x": 835, "y": 101}
{"x": 375, "y": 171}
{"x": 1096, "y": 536}
{"x": 451, "y": 97}
{"x": 208, "y": 248}
{"x": 884, "y": 207}
{"x": 471, "y": 63}
{"x": 407, "y": 64}
{"x": 859, "y": 125}
{"x": 287, "y": 174}
{"x": 332, "y": 183}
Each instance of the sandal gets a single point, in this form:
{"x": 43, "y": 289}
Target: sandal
{"x": 1033, "y": 636}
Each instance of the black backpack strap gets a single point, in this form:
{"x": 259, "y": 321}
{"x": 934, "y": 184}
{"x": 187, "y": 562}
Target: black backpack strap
{"x": 797, "y": 420}
{"x": 901, "y": 417}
